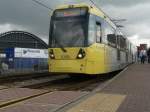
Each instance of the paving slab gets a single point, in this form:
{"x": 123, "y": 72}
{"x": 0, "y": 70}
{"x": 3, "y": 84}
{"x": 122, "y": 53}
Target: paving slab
{"x": 99, "y": 103}
{"x": 45, "y": 103}
{"x": 30, "y": 108}
{"x": 129, "y": 92}
{"x": 135, "y": 84}
{"x": 13, "y": 94}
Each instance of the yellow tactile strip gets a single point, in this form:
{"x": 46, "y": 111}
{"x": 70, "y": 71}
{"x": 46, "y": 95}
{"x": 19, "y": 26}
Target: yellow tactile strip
{"x": 99, "y": 103}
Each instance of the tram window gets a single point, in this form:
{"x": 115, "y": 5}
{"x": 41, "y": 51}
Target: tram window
{"x": 112, "y": 39}
{"x": 122, "y": 42}
{"x": 98, "y": 32}
{"x": 92, "y": 34}
{"x": 110, "y": 34}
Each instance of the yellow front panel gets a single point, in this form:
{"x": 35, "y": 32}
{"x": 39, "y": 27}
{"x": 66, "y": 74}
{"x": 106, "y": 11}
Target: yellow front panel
{"x": 67, "y": 66}
{"x": 66, "y": 62}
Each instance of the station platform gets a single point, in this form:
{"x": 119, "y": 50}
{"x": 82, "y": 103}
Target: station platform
{"x": 2, "y": 87}
{"x": 128, "y": 92}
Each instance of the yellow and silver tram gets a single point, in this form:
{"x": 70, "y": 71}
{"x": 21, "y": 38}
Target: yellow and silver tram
{"x": 84, "y": 40}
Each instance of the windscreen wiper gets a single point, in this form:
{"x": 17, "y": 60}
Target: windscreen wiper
{"x": 61, "y": 47}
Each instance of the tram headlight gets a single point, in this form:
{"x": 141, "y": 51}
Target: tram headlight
{"x": 51, "y": 54}
{"x": 81, "y": 54}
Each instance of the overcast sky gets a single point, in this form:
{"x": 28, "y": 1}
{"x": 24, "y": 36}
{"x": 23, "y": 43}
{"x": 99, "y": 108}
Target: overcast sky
{"x": 28, "y": 16}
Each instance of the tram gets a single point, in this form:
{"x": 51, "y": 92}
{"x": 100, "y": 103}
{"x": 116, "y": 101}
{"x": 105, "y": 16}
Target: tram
{"x": 84, "y": 40}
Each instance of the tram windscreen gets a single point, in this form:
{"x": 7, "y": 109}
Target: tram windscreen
{"x": 68, "y": 30}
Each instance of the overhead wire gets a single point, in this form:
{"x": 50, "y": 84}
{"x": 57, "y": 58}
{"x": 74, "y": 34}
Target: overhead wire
{"x": 114, "y": 21}
{"x": 98, "y": 7}
{"x": 42, "y": 4}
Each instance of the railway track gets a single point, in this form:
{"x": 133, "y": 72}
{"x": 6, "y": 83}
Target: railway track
{"x": 55, "y": 84}
{"x": 40, "y": 92}
{"x": 69, "y": 84}
{"x": 26, "y": 80}
{"x": 22, "y": 77}
{"x": 63, "y": 85}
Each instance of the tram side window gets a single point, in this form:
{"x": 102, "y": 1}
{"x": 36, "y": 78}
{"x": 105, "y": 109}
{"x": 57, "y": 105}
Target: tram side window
{"x": 112, "y": 40}
{"x": 98, "y": 33}
{"x": 122, "y": 42}
{"x": 110, "y": 34}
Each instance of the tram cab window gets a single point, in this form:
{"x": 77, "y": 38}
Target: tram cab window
{"x": 98, "y": 33}
{"x": 91, "y": 35}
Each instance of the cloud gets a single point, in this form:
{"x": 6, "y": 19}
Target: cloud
{"x": 138, "y": 21}
{"x": 122, "y": 3}
{"x": 10, "y": 27}
{"x": 26, "y": 14}
{"x": 137, "y": 41}
{"x": 29, "y": 16}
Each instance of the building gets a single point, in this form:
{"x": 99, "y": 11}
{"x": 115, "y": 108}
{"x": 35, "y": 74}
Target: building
{"x": 143, "y": 46}
{"x": 23, "y": 51}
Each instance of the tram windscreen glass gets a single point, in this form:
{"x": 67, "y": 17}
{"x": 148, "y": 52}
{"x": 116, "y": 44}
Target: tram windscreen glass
{"x": 68, "y": 31}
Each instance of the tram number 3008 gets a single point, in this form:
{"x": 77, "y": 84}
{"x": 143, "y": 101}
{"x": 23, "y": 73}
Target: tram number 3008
{"x": 65, "y": 57}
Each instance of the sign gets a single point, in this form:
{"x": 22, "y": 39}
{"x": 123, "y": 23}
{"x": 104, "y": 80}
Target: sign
{"x": 2, "y": 55}
{"x": 9, "y": 53}
{"x": 31, "y": 53}
{"x": 71, "y": 12}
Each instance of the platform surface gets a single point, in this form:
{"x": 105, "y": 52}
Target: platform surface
{"x": 45, "y": 103}
{"x": 129, "y": 92}
{"x": 15, "y": 94}
{"x": 2, "y": 87}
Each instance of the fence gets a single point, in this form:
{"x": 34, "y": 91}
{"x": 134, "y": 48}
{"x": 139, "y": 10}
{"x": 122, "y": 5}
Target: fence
{"x": 22, "y": 65}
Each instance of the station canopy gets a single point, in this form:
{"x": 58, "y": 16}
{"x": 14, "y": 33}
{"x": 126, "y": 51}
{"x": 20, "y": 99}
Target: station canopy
{"x": 21, "y": 39}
